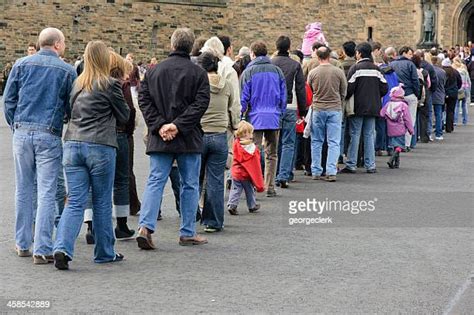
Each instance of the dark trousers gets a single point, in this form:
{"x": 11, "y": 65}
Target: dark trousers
{"x": 423, "y": 119}
{"x": 134, "y": 201}
{"x": 450, "y": 107}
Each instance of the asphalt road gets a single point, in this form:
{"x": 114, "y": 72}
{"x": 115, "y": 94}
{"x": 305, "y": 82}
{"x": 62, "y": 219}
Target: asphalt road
{"x": 413, "y": 253}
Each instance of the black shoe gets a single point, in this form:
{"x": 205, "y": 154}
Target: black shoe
{"x": 255, "y": 209}
{"x": 307, "y": 173}
{"x": 232, "y": 210}
{"x": 123, "y": 235}
{"x": 372, "y": 171}
{"x": 391, "y": 162}
{"x": 347, "y": 170}
{"x": 118, "y": 257}
{"x": 90, "y": 237}
{"x": 277, "y": 183}
{"x": 397, "y": 160}
{"x": 271, "y": 193}
{"x": 61, "y": 261}
{"x": 283, "y": 184}
{"x": 159, "y": 217}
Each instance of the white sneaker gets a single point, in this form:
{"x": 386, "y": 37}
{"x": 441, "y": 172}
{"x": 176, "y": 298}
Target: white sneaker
{"x": 439, "y": 138}
{"x": 431, "y": 138}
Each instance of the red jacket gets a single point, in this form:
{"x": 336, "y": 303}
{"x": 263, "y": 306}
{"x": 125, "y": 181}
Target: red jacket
{"x": 246, "y": 166}
{"x": 309, "y": 101}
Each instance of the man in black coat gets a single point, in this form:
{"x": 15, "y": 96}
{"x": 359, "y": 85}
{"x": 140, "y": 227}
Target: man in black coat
{"x": 368, "y": 85}
{"x": 173, "y": 97}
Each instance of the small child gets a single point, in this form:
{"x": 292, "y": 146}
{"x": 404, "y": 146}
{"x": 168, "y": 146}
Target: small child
{"x": 246, "y": 169}
{"x": 399, "y": 121}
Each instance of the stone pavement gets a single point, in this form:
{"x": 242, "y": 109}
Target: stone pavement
{"x": 412, "y": 254}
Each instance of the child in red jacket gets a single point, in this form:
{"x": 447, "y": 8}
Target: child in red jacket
{"x": 246, "y": 170}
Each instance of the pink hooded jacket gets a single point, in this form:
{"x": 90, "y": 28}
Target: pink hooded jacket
{"x": 396, "y": 114}
{"x": 313, "y": 34}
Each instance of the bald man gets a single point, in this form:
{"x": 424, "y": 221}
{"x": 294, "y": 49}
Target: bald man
{"x": 36, "y": 101}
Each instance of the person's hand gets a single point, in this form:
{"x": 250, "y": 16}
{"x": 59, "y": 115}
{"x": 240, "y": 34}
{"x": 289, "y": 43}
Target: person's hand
{"x": 168, "y": 132}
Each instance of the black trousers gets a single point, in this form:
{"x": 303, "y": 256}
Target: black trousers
{"x": 423, "y": 124}
{"x": 450, "y": 107}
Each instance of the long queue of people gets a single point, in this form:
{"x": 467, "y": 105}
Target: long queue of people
{"x": 258, "y": 118}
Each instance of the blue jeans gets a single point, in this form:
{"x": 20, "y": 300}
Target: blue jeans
{"x": 463, "y": 105}
{"x": 236, "y": 191}
{"x": 429, "y": 104}
{"x": 366, "y": 126}
{"x": 88, "y": 165}
{"x": 325, "y": 124}
{"x": 189, "y": 165}
{"x": 37, "y": 154}
{"x": 122, "y": 178}
{"x": 286, "y": 147}
{"x": 213, "y": 161}
{"x": 175, "y": 186}
{"x": 381, "y": 134}
{"x": 438, "y": 109}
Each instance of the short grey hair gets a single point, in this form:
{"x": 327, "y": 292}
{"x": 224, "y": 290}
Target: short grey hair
{"x": 390, "y": 51}
{"x": 50, "y": 36}
{"x": 182, "y": 40}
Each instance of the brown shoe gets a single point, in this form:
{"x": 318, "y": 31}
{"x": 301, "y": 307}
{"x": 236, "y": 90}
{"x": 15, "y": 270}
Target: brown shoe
{"x": 43, "y": 259}
{"x": 23, "y": 252}
{"x": 144, "y": 239}
{"x": 330, "y": 178}
{"x": 194, "y": 240}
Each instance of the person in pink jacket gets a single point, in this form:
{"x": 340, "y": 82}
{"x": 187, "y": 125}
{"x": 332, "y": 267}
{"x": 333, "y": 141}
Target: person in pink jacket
{"x": 313, "y": 34}
{"x": 398, "y": 118}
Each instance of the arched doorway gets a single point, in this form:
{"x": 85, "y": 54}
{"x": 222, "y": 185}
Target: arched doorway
{"x": 463, "y": 22}
{"x": 470, "y": 28}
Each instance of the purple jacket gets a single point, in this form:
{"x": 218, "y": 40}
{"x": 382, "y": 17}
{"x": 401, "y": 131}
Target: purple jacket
{"x": 398, "y": 118}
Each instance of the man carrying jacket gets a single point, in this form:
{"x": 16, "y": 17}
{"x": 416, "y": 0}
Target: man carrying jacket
{"x": 294, "y": 78}
{"x": 173, "y": 97}
{"x": 263, "y": 101}
{"x": 368, "y": 85}
{"x": 36, "y": 101}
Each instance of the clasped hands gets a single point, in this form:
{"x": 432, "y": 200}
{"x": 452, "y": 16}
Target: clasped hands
{"x": 168, "y": 132}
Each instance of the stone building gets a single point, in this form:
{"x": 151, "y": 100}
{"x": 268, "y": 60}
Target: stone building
{"x": 144, "y": 27}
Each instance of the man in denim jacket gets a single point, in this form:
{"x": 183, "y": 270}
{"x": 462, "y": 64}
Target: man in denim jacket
{"x": 36, "y": 100}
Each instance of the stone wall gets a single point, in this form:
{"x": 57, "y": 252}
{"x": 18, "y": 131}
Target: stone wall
{"x": 145, "y": 27}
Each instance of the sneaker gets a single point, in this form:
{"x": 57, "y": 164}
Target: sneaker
{"x": 61, "y": 261}
{"x": 232, "y": 210}
{"x": 43, "y": 259}
{"x": 123, "y": 235}
{"x": 283, "y": 184}
{"x": 254, "y": 209}
{"x": 315, "y": 177}
{"x": 347, "y": 170}
{"x": 439, "y": 138}
{"x": 193, "y": 240}
{"x": 271, "y": 193}
{"x": 211, "y": 229}
{"x": 118, "y": 257}
{"x": 90, "y": 237}
{"x": 330, "y": 178}
{"x": 431, "y": 138}
{"x": 144, "y": 240}
{"x": 372, "y": 171}
{"x": 23, "y": 252}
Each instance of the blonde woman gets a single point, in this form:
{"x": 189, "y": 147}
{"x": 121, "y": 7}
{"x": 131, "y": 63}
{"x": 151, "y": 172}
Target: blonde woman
{"x": 89, "y": 156}
{"x": 464, "y": 94}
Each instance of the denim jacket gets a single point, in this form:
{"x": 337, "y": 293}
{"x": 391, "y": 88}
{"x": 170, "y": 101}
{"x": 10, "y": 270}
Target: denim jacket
{"x": 37, "y": 92}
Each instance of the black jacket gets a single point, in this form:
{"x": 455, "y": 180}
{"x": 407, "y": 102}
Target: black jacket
{"x": 368, "y": 85}
{"x": 433, "y": 77}
{"x": 175, "y": 91}
{"x": 95, "y": 114}
{"x": 294, "y": 76}
{"x": 453, "y": 82}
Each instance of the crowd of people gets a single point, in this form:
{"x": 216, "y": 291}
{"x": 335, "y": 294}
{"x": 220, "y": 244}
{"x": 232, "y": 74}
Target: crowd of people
{"x": 213, "y": 121}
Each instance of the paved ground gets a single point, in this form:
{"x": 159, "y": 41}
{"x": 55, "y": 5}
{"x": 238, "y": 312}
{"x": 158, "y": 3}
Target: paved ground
{"x": 412, "y": 254}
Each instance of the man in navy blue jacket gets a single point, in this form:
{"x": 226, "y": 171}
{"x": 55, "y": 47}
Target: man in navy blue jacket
{"x": 407, "y": 74}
